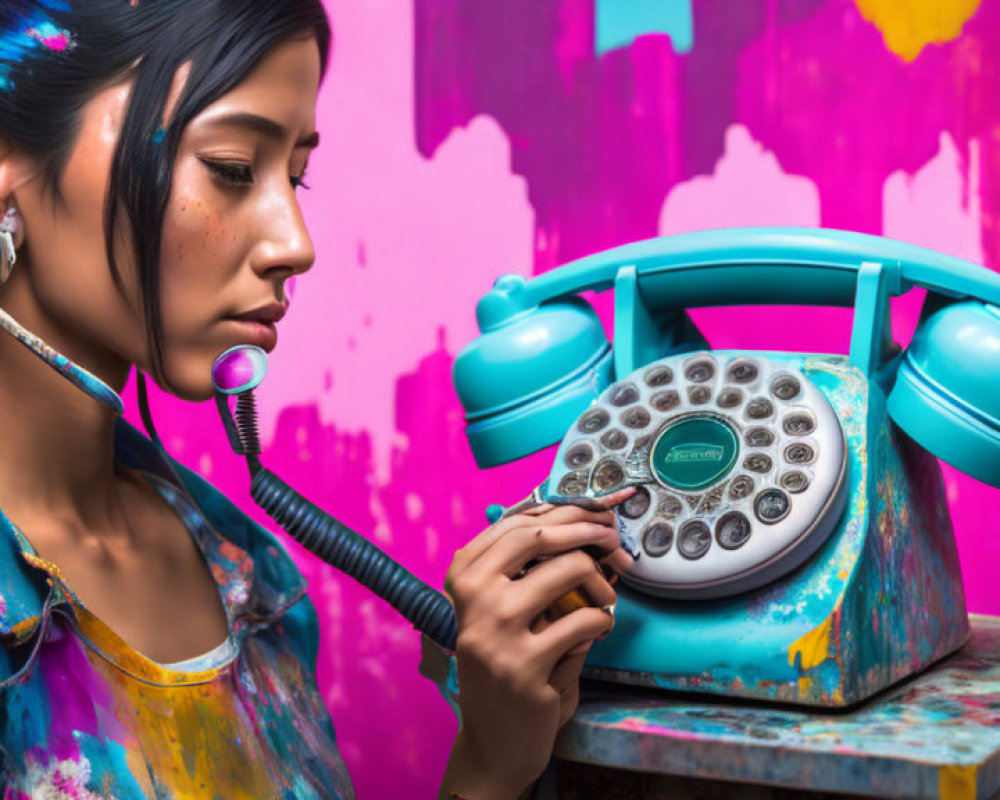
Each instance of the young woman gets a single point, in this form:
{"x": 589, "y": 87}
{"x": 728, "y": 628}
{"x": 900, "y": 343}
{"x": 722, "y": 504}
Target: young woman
{"x": 153, "y": 641}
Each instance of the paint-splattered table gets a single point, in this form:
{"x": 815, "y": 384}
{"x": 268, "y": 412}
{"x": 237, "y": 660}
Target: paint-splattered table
{"x": 935, "y": 736}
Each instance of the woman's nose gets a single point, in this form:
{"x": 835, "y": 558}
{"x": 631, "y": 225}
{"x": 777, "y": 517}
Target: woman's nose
{"x": 285, "y": 242}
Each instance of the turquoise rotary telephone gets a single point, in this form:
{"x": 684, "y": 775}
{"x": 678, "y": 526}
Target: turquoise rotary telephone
{"x": 790, "y": 528}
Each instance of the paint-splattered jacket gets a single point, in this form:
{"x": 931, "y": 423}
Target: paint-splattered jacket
{"x": 83, "y": 715}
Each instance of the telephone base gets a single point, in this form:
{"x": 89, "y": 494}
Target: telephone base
{"x": 880, "y": 601}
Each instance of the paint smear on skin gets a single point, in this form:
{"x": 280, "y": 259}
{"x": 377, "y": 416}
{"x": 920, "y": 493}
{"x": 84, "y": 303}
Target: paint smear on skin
{"x": 908, "y": 26}
{"x": 619, "y": 22}
{"x": 812, "y": 648}
{"x": 957, "y": 782}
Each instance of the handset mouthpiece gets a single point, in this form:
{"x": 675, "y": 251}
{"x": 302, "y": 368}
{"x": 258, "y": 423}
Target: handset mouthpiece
{"x": 237, "y": 372}
{"x": 239, "y": 369}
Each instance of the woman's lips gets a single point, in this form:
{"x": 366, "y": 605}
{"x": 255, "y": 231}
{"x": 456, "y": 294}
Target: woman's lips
{"x": 262, "y": 334}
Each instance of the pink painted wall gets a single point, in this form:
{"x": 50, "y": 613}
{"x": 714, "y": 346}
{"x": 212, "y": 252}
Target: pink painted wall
{"x": 466, "y": 138}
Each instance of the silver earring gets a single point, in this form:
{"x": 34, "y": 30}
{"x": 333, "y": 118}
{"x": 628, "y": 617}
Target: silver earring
{"x": 10, "y": 235}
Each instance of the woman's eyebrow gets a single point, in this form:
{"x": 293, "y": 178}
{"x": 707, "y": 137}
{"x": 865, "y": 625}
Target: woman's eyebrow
{"x": 265, "y": 127}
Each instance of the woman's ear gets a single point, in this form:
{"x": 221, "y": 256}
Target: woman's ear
{"x": 16, "y": 169}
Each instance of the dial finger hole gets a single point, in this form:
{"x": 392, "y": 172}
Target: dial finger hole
{"x": 741, "y": 486}
{"x": 659, "y": 376}
{"x": 657, "y": 539}
{"x": 799, "y": 453}
{"x": 635, "y": 418}
{"x": 636, "y": 505}
{"x": 757, "y": 462}
{"x": 665, "y": 401}
{"x": 742, "y": 371}
{"x": 593, "y": 421}
{"x": 699, "y": 395}
{"x": 573, "y": 484}
{"x": 608, "y": 475}
{"x": 624, "y": 394}
{"x": 711, "y": 501}
{"x": 670, "y": 506}
{"x": 771, "y": 506}
{"x": 694, "y": 539}
{"x": 799, "y": 424}
{"x": 759, "y": 437}
{"x": 795, "y": 481}
{"x": 785, "y": 387}
{"x": 579, "y": 455}
{"x": 730, "y": 397}
{"x": 733, "y": 530}
{"x": 759, "y": 408}
{"x": 614, "y": 439}
{"x": 699, "y": 370}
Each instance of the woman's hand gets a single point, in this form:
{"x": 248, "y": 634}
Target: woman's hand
{"x": 518, "y": 673}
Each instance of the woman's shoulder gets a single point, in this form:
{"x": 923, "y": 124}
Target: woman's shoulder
{"x": 256, "y": 575}
{"x": 195, "y": 499}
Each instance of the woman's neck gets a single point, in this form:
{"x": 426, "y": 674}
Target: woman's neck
{"x": 58, "y": 451}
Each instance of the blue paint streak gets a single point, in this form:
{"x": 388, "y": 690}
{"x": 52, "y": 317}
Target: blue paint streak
{"x": 109, "y": 767}
{"x": 22, "y": 40}
{"x": 619, "y": 22}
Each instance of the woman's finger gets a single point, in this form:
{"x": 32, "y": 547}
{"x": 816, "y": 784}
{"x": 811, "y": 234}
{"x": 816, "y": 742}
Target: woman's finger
{"x": 510, "y": 554}
{"x": 566, "y": 674}
{"x": 545, "y": 586}
{"x": 618, "y": 561}
{"x": 569, "y": 701}
{"x": 565, "y": 679}
{"x": 553, "y": 515}
{"x": 562, "y": 635}
{"x": 541, "y": 508}
{"x": 613, "y": 499}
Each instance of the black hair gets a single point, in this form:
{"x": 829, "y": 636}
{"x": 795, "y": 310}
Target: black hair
{"x": 56, "y": 55}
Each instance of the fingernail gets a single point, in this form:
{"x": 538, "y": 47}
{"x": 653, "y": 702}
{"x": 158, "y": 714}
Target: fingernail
{"x": 610, "y": 611}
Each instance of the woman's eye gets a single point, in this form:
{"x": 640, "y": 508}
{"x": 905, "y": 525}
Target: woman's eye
{"x": 299, "y": 181}
{"x": 235, "y": 173}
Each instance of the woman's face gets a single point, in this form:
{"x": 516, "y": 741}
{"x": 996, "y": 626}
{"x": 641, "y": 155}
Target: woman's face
{"x": 232, "y": 235}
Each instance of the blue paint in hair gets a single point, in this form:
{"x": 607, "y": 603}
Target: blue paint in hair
{"x": 34, "y": 31}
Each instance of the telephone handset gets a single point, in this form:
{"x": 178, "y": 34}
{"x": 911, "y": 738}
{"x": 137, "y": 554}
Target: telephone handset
{"x": 766, "y": 481}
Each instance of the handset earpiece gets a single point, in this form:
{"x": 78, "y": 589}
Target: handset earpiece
{"x": 945, "y": 396}
{"x": 530, "y": 373}
{"x": 237, "y": 372}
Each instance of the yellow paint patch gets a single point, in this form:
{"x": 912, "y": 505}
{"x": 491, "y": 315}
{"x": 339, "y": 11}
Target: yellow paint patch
{"x": 908, "y": 26}
{"x": 956, "y": 782}
{"x": 812, "y": 648}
